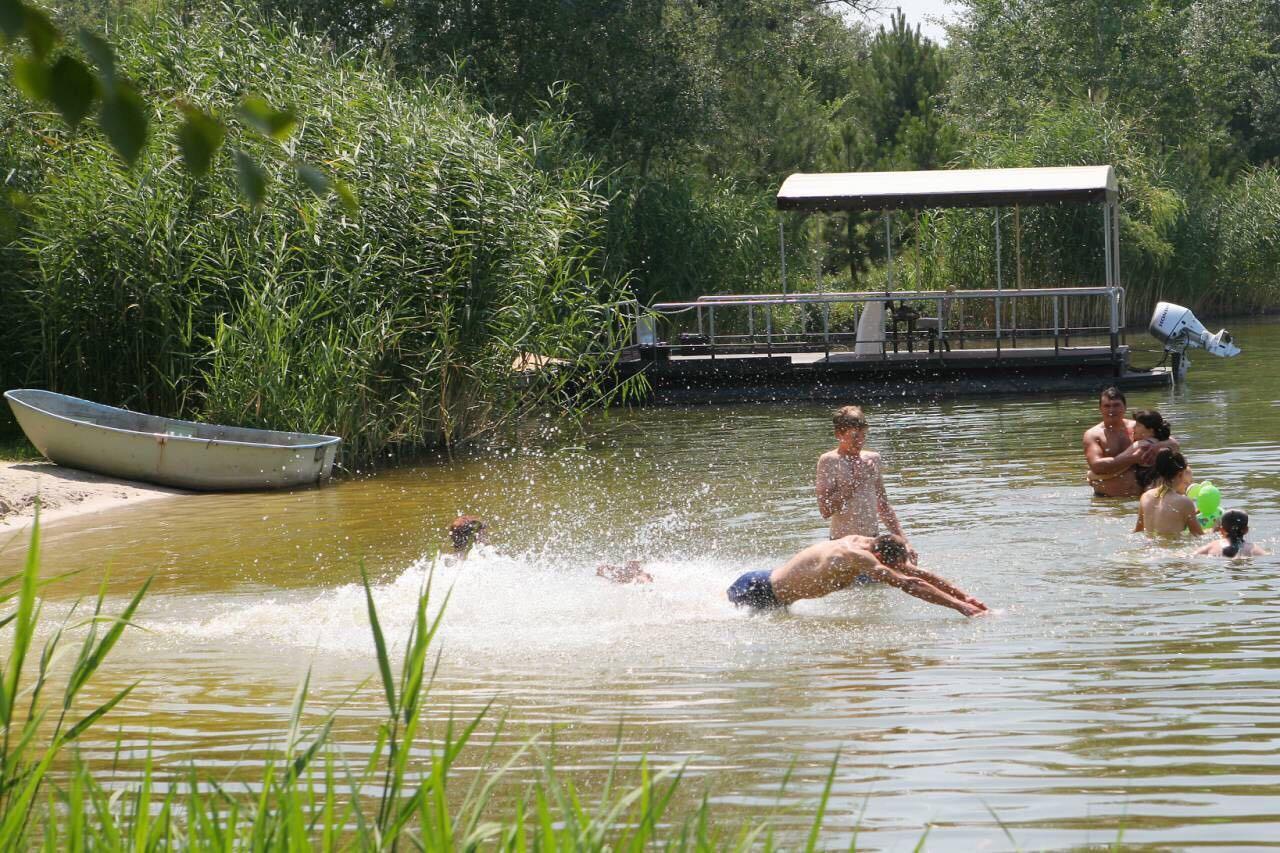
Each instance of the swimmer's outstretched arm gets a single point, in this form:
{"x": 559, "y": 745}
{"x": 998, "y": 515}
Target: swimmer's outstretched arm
{"x": 1141, "y": 525}
{"x": 941, "y": 583}
{"x": 923, "y": 590}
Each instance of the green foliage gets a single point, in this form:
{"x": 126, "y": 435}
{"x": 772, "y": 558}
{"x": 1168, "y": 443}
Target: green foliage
{"x": 687, "y": 239}
{"x": 71, "y": 88}
{"x": 1248, "y": 238}
{"x": 700, "y": 109}
{"x": 1183, "y": 70}
{"x": 893, "y": 120}
{"x": 401, "y": 325}
{"x": 889, "y": 120}
{"x": 1062, "y": 245}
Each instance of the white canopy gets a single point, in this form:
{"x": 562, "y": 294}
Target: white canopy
{"x": 948, "y": 188}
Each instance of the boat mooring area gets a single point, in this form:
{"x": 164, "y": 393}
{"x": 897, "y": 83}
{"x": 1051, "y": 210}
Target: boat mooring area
{"x": 867, "y": 345}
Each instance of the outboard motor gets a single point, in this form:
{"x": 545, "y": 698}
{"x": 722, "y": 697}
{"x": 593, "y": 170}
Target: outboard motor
{"x": 1179, "y": 330}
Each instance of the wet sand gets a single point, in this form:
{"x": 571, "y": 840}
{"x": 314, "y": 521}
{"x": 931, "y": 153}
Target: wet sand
{"x": 63, "y": 492}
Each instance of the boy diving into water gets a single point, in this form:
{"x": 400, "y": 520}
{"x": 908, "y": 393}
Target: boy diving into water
{"x": 823, "y": 568}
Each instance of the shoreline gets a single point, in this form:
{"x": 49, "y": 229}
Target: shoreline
{"x": 64, "y": 493}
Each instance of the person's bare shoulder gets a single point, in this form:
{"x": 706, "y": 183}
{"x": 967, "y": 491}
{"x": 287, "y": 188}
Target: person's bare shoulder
{"x": 828, "y": 457}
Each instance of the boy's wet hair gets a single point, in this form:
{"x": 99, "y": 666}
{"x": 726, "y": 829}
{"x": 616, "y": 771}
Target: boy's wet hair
{"x": 849, "y": 417}
{"x": 1111, "y": 392}
{"x": 891, "y": 549}
{"x": 1154, "y": 421}
{"x": 1235, "y": 524}
{"x": 463, "y": 531}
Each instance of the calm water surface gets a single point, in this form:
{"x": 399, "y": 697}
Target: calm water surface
{"x": 1124, "y": 684}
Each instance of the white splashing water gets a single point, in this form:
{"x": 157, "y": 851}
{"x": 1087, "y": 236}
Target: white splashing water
{"x": 513, "y": 607}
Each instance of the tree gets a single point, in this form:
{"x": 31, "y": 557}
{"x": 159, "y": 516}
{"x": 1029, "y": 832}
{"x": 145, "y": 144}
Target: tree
{"x": 1190, "y": 72}
{"x": 891, "y": 120}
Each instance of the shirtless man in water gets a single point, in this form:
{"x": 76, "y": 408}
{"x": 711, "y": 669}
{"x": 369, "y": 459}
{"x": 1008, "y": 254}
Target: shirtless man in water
{"x": 850, "y": 489}
{"x": 1111, "y": 453}
{"x": 823, "y": 568}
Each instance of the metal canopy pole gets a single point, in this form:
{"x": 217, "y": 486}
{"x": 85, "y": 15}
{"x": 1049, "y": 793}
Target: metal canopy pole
{"x": 888, "y": 248}
{"x": 919, "y": 251}
{"x": 999, "y": 280}
{"x": 1112, "y": 296}
{"x": 1017, "y": 243}
{"x": 1115, "y": 276}
{"x": 888, "y": 286}
{"x": 782, "y": 251}
{"x": 826, "y": 306}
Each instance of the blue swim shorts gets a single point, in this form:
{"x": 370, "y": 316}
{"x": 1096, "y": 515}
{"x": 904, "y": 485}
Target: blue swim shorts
{"x": 755, "y": 591}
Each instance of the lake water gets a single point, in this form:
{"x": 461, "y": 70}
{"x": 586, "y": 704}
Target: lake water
{"x": 1124, "y": 686}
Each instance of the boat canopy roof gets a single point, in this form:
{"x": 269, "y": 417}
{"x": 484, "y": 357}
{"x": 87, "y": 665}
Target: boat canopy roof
{"x": 948, "y": 188}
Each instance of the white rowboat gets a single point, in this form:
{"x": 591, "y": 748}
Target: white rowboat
{"x": 184, "y": 454}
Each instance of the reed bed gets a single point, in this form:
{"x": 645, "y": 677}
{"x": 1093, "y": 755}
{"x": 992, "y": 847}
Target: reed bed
{"x": 311, "y": 796}
{"x": 406, "y": 324}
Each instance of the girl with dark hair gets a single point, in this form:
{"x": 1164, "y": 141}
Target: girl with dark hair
{"x": 1233, "y": 526}
{"x": 1165, "y": 510}
{"x": 1149, "y": 429}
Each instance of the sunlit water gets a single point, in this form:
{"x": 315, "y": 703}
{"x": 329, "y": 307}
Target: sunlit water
{"x": 1123, "y": 684}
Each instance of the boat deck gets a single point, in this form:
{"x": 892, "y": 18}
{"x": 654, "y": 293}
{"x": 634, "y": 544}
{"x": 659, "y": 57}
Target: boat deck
{"x": 679, "y": 376}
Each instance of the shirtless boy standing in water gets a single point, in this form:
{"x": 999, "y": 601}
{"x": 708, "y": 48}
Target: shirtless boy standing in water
{"x": 823, "y": 568}
{"x": 1110, "y": 452}
{"x": 850, "y": 489}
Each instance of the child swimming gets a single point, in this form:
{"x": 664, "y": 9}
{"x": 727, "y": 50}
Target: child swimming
{"x": 465, "y": 532}
{"x": 1166, "y": 510}
{"x": 1233, "y": 526}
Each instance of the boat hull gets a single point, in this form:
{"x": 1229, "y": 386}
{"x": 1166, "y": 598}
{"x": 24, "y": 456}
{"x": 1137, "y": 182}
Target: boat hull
{"x": 170, "y": 452}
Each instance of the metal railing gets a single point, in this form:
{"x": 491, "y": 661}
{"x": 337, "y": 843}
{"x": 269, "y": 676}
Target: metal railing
{"x": 746, "y": 322}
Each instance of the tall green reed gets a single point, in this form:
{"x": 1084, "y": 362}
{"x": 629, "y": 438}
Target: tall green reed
{"x": 477, "y": 242}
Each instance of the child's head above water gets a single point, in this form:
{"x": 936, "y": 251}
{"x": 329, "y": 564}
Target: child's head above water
{"x": 849, "y": 417}
{"x": 465, "y": 531}
{"x": 1173, "y": 470}
{"x": 1148, "y": 423}
{"x": 1233, "y": 525}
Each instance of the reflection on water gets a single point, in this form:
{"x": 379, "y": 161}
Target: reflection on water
{"x": 1124, "y": 683}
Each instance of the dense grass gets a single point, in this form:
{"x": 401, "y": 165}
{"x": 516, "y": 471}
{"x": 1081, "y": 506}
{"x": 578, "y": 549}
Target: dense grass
{"x": 476, "y": 241}
{"x": 405, "y": 793}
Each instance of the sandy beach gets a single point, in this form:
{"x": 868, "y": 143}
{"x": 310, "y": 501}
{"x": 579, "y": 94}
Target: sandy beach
{"x": 63, "y": 492}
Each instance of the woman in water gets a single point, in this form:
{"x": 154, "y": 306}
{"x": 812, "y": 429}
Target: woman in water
{"x": 1149, "y": 429}
{"x": 1166, "y": 510}
{"x": 1233, "y": 526}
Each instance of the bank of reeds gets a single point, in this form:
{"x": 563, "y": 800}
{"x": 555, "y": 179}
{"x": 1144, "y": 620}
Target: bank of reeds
{"x": 405, "y": 793}
{"x": 406, "y": 324}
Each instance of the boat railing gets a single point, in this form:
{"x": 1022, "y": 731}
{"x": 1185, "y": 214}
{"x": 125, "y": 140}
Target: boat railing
{"x": 831, "y": 321}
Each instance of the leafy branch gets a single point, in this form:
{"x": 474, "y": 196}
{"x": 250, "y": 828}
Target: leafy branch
{"x": 74, "y": 86}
